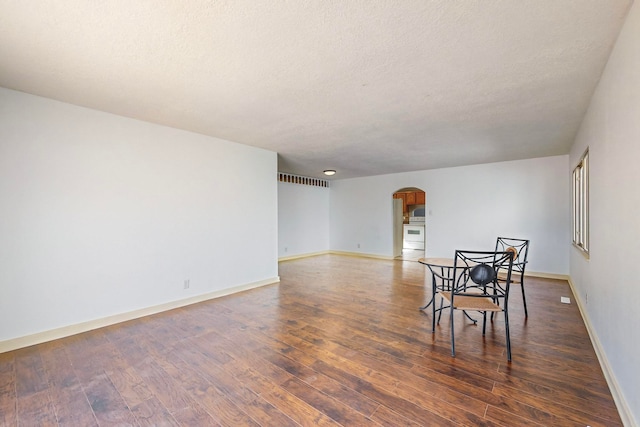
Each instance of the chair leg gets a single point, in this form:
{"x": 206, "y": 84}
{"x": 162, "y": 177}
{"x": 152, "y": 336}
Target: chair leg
{"x": 433, "y": 302}
{"x": 506, "y": 326}
{"x": 433, "y": 319}
{"x": 453, "y": 339}
{"x": 524, "y": 298}
{"x": 493, "y": 312}
{"x": 484, "y": 322}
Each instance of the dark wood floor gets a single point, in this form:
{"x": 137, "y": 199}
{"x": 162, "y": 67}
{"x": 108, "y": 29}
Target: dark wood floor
{"x": 339, "y": 341}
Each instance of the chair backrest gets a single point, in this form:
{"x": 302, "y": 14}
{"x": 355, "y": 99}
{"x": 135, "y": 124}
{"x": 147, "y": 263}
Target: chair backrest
{"x": 476, "y": 273}
{"x": 520, "y": 247}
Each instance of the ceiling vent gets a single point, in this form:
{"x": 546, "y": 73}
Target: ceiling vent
{"x": 303, "y": 180}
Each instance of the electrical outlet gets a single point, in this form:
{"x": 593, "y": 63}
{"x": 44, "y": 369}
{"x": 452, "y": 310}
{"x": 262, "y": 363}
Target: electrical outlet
{"x": 186, "y": 284}
{"x": 358, "y": 245}
{"x": 565, "y": 300}
{"x": 286, "y": 249}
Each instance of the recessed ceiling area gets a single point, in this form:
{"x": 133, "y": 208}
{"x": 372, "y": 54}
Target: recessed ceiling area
{"x": 365, "y": 87}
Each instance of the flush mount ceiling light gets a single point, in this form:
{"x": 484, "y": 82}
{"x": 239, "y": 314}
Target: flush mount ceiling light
{"x": 329, "y": 172}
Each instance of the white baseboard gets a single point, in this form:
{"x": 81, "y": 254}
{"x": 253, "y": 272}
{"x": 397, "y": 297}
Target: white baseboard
{"x": 547, "y": 275}
{"x": 616, "y": 393}
{"x": 309, "y": 254}
{"x": 361, "y": 255}
{"x": 364, "y": 255}
{"x": 65, "y": 331}
{"x": 354, "y": 254}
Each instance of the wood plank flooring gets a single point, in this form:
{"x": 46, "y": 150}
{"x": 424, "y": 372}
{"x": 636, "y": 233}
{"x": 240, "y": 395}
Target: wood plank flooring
{"x": 339, "y": 341}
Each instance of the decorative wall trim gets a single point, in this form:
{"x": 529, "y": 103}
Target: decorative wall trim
{"x": 65, "y": 331}
{"x": 304, "y": 180}
{"x": 616, "y": 393}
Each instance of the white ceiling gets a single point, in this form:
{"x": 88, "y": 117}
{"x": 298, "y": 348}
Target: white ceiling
{"x": 366, "y": 87}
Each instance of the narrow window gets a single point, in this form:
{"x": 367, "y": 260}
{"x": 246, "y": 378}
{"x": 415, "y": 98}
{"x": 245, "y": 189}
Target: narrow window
{"x": 581, "y": 204}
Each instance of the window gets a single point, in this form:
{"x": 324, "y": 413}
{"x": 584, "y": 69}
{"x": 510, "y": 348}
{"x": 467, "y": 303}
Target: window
{"x": 581, "y": 204}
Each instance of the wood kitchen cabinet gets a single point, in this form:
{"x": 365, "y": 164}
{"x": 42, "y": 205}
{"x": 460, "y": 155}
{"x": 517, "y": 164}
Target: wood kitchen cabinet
{"x": 409, "y": 199}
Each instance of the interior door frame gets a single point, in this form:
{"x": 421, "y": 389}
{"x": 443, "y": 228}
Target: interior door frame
{"x": 397, "y": 227}
{"x": 398, "y": 221}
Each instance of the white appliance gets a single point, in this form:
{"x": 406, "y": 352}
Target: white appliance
{"x": 413, "y": 233}
{"x": 417, "y": 220}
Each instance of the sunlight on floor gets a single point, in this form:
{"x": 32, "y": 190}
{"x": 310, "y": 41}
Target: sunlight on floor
{"x": 411, "y": 254}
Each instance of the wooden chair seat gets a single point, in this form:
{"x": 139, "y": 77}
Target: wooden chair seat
{"x": 470, "y": 303}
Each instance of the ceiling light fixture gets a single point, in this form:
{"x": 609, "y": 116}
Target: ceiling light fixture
{"x": 329, "y": 172}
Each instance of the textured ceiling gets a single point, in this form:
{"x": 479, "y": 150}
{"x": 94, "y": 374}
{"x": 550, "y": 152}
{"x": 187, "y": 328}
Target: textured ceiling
{"x": 366, "y": 87}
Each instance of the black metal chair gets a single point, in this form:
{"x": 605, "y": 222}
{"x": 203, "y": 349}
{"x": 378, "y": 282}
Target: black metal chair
{"x": 520, "y": 247}
{"x": 476, "y": 287}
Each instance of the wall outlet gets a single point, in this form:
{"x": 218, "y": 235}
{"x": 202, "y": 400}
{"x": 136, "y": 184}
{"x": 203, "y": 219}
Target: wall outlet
{"x": 565, "y": 300}
{"x": 358, "y": 245}
{"x": 186, "y": 284}
{"x": 286, "y": 249}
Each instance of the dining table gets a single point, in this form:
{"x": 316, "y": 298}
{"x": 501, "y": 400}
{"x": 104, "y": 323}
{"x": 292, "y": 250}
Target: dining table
{"x": 442, "y": 278}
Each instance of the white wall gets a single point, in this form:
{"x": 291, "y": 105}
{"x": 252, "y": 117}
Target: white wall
{"x": 101, "y": 215}
{"x": 608, "y": 283}
{"x": 303, "y": 219}
{"x": 467, "y": 208}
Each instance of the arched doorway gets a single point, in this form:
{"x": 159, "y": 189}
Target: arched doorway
{"x": 409, "y": 225}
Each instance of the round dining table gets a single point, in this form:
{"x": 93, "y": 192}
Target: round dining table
{"x": 442, "y": 278}
{"x": 441, "y": 275}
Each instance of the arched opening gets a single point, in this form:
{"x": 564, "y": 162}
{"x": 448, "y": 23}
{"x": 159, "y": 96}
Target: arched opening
{"x": 409, "y": 223}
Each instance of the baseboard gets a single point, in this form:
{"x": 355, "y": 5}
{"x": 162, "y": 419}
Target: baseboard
{"x": 65, "y": 331}
{"x": 365, "y": 255}
{"x": 616, "y": 393}
{"x": 307, "y": 255}
{"x": 546, "y": 275}
{"x": 354, "y": 254}
{"x": 361, "y": 255}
